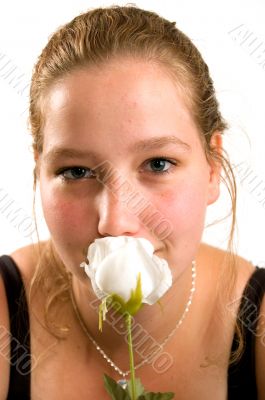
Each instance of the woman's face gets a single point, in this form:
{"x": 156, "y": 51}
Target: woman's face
{"x": 121, "y": 153}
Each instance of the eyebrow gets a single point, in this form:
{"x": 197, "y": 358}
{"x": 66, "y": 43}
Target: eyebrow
{"x": 65, "y": 152}
{"x": 142, "y": 145}
{"x": 157, "y": 142}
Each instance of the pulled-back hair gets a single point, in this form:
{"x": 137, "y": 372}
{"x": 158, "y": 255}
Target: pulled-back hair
{"x": 99, "y": 36}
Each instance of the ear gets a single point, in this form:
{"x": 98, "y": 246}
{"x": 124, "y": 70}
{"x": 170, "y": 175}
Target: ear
{"x": 215, "y": 169}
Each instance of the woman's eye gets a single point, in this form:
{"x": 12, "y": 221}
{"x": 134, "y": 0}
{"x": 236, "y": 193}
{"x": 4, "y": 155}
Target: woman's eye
{"x": 76, "y": 173}
{"x": 159, "y": 165}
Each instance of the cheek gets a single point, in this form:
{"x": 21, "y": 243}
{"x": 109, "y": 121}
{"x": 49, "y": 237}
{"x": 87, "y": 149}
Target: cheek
{"x": 67, "y": 217}
{"x": 184, "y": 207}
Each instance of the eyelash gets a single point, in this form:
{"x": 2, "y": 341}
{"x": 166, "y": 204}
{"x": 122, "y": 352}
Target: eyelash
{"x": 62, "y": 171}
{"x": 165, "y": 159}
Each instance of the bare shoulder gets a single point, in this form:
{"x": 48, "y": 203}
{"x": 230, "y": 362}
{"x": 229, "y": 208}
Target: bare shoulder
{"x": 245, "y": 269}
{"x": 218, "y": 259}
{"x": 26, "y": 258}
{"x": 217, "y": 255}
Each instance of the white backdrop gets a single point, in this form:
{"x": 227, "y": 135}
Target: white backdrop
{"x": 231, "y": 37}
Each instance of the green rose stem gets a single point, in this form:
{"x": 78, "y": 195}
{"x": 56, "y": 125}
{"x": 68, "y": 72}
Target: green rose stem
{"x": 128, "y": 309}
{"x": 132, "y": 371}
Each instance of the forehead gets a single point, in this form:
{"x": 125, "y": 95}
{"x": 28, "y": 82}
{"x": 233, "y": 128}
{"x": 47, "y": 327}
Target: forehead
{"x": 124, "y": 99}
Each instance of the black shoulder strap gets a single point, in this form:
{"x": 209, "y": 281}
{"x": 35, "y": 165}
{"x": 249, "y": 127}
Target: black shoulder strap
{"x": 20, "y": 360}
{"x": 242, "y": 375}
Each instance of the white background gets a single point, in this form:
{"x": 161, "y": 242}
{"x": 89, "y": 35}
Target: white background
{"x": 239, "y": 80}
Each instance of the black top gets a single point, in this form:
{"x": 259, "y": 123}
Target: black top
{"x": 241, "y": 376}
{"x": 20, "y": 360}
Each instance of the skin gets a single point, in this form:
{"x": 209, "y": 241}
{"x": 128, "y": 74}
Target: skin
{"x": 83, "y": 112}
{"x": 107, "y": 112}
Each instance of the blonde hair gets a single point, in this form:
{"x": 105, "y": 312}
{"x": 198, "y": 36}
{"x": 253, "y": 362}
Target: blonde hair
{"x": 103, "y": 34}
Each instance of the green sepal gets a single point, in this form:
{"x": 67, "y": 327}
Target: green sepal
{"x": 102, "y": 311}
{"x": 134, "y": 303}
{"x": 132, "y": 306}
{"x": 160, "y": 305}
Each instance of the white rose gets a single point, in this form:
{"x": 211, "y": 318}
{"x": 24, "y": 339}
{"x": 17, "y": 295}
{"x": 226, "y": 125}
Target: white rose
{"x": 114, "y": 264}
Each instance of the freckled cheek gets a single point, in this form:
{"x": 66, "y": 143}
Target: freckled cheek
{"x": 185, "y": 208}
{"x": 67, "y": 217}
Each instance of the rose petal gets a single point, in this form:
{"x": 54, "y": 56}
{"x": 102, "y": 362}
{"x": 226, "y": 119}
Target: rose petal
{"x": 115, "y": 263}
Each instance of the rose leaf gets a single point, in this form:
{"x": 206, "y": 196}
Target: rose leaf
{"x": 156, "y": 396}
{"x": 138, "y": 386}
{"x": 114, "y": 389}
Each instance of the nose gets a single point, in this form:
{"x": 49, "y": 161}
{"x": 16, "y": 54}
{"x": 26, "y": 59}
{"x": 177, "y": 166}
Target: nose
{"x": 115, "y": 218}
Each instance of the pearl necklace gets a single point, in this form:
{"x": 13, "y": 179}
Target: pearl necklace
{"x": 123, "y": 374}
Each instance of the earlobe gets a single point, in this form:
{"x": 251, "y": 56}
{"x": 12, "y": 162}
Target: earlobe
{"x": 215, "y": 168}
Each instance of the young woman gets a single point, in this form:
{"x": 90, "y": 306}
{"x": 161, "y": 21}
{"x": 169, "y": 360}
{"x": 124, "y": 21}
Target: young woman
{"x": 124, "y": 88}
